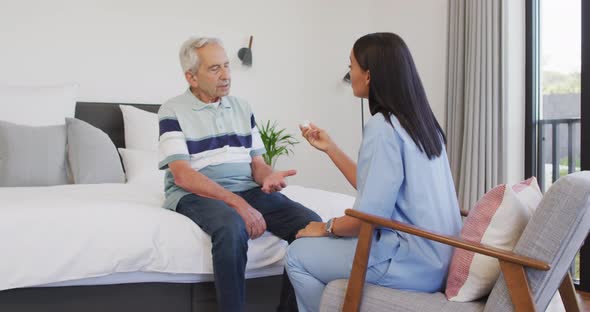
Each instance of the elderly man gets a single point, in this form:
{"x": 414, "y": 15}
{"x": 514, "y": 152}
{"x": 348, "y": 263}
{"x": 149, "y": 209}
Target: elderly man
{"x": 215, "y": 175}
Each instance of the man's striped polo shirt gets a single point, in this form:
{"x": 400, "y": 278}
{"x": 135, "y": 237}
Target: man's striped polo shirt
{"x": 218, "y": 139}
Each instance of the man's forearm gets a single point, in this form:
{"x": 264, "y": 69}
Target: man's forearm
{"x": 199, "y": 184}
{"x": 260, "y": 172}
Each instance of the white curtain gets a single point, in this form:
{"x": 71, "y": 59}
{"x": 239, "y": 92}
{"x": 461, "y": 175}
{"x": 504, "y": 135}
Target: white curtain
{"x": 475, "y": 100}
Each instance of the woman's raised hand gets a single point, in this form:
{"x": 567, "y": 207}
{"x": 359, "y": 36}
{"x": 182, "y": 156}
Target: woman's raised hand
{"x": 317, "y": 137}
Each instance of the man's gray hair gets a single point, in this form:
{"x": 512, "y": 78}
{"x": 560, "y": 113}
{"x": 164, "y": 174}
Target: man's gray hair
{"x": 189, "y": 59}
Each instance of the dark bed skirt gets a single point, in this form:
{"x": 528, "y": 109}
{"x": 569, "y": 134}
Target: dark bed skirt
{"x": 262, "y": 294}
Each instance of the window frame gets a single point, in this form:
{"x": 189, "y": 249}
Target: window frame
{"x": 532, "y": 84}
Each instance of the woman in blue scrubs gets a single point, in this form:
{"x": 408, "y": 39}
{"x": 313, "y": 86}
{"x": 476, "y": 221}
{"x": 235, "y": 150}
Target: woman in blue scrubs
{"x": 403, "y": 174}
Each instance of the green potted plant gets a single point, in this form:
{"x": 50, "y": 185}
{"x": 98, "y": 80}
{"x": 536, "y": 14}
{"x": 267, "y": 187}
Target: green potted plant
{"x": 276, "y": 141}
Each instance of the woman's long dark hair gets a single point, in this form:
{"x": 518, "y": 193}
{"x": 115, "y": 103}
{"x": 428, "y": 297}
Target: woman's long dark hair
{"x": 395, "y": 88}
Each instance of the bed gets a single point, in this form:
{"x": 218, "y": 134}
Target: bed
{"x": 123, "y": 252}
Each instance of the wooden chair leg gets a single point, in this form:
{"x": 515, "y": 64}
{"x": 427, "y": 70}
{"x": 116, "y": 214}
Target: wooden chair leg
{"x": 356, "y": 282}
{"x": 518, "y": 286}
{"x": 568, "y": 294}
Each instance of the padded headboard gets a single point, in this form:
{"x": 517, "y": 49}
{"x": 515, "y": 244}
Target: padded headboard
{"x": 108, "y": 117}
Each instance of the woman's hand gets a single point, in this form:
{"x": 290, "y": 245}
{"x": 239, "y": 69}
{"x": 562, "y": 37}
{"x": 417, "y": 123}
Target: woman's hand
{"x": 317, "y": 137}
{"x": 313, "y": 229}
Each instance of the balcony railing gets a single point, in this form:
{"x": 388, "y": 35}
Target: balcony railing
{"x": 555, "y": 160}
{"x": 555, "y": 136}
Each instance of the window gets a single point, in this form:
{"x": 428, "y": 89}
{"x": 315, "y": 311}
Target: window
{"x": 557, "y": 86}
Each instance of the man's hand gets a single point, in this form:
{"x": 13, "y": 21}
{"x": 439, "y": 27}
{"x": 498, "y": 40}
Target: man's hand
{"x": 255, "y": 224}
{"x": 275, "y": 181}
{"x": 197, "y": 183}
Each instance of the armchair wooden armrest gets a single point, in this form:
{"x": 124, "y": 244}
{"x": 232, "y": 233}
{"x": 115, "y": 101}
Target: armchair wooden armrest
{"x": 511, "y": 264}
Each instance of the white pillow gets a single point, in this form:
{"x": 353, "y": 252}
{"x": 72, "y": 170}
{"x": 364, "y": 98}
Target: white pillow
{"x": 141, "y": 128}
{"x": 141, "y": 167}
{"x": 37, "y": 105}
{"x": 497, "y": 220}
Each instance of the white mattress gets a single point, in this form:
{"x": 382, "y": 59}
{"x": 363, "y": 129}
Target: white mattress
{"x": 156, "y": 277}
{"x": 117, "y": 233}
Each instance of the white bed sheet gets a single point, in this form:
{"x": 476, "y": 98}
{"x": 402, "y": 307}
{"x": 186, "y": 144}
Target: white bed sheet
{"x": 77, "y": 233}
{"x": 157, "y": 277}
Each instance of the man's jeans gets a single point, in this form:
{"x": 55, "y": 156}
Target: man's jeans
{"x": 229, "y": 238}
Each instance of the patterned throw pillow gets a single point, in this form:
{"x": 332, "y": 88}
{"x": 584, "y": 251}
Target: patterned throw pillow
{"x": 497, "y": 219}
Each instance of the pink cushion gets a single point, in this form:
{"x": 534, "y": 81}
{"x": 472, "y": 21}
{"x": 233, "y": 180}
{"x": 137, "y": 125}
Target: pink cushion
{"x": 497, "y": 219}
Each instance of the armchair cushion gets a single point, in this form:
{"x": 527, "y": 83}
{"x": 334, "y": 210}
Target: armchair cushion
{"x": 376, "y": 298}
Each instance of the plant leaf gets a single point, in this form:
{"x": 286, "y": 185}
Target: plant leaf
{"x": 276, "y": 141}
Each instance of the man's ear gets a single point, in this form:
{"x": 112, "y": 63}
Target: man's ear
{"x": 191, "y": 79}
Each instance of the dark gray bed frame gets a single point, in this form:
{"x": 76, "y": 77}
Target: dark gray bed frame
{"x": 262, "y": 294}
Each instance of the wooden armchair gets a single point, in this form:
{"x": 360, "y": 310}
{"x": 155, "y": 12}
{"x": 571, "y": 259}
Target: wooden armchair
{"x": 531, "y": 274}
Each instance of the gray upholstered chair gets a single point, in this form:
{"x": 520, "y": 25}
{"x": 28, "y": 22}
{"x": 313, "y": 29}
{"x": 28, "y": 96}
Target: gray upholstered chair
{"x": 531, "y": 274}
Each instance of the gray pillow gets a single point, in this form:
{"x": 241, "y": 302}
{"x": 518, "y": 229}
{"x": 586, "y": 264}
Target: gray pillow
{"x": 32, "y": 156}
{"x": 92, "y": 155}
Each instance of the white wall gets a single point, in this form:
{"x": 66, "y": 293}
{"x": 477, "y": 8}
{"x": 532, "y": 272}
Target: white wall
{"x": 126, "y": 51}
